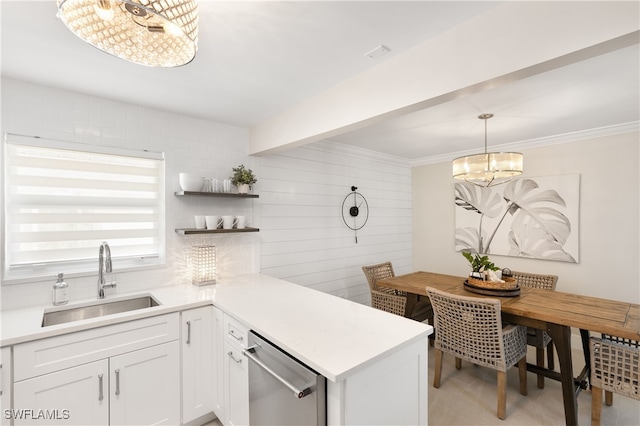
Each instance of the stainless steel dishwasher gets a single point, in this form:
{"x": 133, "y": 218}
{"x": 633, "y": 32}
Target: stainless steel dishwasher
{"x": 282, "y": 390}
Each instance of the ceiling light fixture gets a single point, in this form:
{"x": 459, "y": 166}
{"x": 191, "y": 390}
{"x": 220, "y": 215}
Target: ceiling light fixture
{"x": 156, "y": 33}
{"x": 490, "y": 168}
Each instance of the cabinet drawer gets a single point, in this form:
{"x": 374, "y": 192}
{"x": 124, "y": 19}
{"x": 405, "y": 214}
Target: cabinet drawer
{"x": 235, "y": 332}
{"x": 55, "y": 353}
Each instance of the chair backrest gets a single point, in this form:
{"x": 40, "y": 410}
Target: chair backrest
{"x": 526, "y": 279}
{"x": 377, "y": 272}
{"x": 614, "y": 365}
{"x": 469, "y": 328}
{"x": 621, "y": 340}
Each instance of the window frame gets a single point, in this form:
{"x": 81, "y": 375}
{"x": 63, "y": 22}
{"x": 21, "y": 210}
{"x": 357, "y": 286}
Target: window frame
{"x": 17, "y": 274}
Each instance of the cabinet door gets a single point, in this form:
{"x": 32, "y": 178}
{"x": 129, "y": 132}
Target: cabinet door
{"x": 236, "y": 387}
{"x": 197, "y": 363}
{"x": 218, "y": 351}
{"x": 145, "y": 386}
{"x": 75, "y": 396}
{"x": 5, "y": 385}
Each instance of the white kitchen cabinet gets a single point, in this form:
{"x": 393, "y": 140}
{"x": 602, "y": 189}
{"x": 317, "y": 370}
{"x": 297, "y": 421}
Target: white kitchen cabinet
{"x": 137, "y": 388}
{"x": 74, "y": 396}
{"x": 218, "y": 364}
{"x": 198, "y": 363}
{"x": 44, "y": 356}
{"x": 235, "y": 373}
{"x": 391, "y": 390}
{"x": 145, "y": 386}
{"x": 127, "y": 373}
{"x": 236, "y": 387}
{"x": 5, "y": 385}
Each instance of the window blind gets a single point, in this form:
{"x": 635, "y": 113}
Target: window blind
{"x": 62, "y": 200}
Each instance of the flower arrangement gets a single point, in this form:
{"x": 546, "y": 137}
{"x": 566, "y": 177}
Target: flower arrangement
{"x": 242, "y": 176}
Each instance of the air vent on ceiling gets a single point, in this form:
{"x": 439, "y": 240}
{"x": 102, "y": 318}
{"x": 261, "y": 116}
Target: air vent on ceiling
{"x": 377, "y": 52}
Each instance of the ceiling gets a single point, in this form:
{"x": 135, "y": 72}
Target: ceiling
{"x": 257, "y": 59}
{"x": 591, "y": 94}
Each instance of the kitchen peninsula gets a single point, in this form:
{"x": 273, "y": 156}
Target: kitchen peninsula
{"x": 375, "y": 363}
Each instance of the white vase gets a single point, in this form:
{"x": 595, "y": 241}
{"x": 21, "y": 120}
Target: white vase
{"x": 244, "y": 188}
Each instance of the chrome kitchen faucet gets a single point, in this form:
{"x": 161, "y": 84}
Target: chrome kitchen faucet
{"x": 104, "y": 267}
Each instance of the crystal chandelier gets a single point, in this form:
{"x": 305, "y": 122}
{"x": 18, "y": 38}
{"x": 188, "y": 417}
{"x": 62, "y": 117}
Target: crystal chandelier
{"x": 490, "y": 168}
{"x": 156, "y": 33}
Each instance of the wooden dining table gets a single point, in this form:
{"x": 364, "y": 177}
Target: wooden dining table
{"x": 553, "y": 311}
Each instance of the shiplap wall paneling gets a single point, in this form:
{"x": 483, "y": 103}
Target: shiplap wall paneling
{"x": 304, "y": 238}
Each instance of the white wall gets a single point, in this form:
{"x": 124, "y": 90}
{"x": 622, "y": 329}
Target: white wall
{"x": 302, "y": 236}
{"x": 609, "y": 217}
{"x": 304, "y": 239}
{"x": 190, "y": 145}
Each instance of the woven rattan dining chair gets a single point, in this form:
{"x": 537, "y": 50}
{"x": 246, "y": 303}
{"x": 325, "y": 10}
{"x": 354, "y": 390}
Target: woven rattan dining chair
{"x": 395, "y": 301}
{"x": 614, "y": 368}
{"x": 540, "y": 339}
{"x": 470, "y": 328}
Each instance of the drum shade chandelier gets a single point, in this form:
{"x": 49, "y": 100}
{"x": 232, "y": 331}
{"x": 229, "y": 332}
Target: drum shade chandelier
{"x": 490, "y": 168}
{"x": 155, "y": 33}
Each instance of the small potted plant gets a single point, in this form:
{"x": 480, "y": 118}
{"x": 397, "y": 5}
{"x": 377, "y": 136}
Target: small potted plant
{"x": 243, "y": 178}
{"x": 479, "y": 265}
{"x": 483, "y": 276}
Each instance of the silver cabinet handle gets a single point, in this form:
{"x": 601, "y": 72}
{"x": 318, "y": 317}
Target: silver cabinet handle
{"x": 298, "y": 393}
{"x": 188, "y": 332}
{"x": 234, "y": 358}
{"x": 1, "y": 373}
{"x": 100, "y": 391}
{"x": 118, "y": 382}
{"x": 238, "y": 338}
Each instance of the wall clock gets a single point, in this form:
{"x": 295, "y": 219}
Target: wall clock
{"x": 355, "y": 211}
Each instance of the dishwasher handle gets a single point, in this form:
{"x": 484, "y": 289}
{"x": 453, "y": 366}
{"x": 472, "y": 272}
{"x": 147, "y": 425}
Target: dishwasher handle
{"x": 296, "y": 392}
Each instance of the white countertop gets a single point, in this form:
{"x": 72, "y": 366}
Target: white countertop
{"x": 334, "y": 336}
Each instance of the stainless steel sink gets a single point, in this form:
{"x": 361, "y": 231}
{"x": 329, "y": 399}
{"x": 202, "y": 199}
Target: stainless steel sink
{"x": 97, "y": 309}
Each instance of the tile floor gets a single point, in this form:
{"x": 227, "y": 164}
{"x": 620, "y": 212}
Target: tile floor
{"x": 468, "y": 397}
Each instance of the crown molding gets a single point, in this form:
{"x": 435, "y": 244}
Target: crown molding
{"x": 339, "y": 148}
{"x": 617, "y": 129}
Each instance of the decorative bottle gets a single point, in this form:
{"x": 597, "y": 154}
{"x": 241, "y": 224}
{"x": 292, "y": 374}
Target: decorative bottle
{"x": 60, "y": 292}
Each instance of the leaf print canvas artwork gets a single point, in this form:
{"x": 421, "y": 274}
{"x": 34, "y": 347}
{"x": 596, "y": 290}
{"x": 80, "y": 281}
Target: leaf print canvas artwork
{"x": 528, "y": 217}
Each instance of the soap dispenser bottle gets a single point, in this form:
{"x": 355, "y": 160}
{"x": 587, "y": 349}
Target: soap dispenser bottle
{"x": 60, "y": 294}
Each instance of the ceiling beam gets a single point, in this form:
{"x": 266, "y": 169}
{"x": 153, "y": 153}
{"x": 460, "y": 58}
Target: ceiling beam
{"x": 512, "y": 41}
